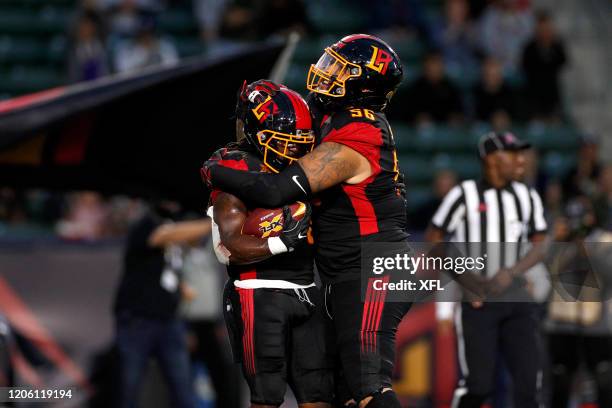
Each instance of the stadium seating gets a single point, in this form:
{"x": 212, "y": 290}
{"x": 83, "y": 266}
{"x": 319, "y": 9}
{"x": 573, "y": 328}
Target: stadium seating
{"x": 33, "y": 50}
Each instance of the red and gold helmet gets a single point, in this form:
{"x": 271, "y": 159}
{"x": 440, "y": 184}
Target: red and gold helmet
{"x": 360, "y": 70}
{"x": 277, "y": 125}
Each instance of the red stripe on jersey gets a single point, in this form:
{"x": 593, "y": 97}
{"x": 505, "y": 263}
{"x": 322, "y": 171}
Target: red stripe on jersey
{"x": 364, "y": 210}
{"x": 382, "y": 295}
{"x": 252, "y": 274}
{"x": 365, "y": 315}
{"x": 302, "y": 114}
{"x": 247, "y": 312}
{"x": 366, "y": 140}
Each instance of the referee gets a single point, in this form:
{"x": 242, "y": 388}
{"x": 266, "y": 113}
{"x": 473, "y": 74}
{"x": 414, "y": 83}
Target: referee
{"x": 499, "y": 214}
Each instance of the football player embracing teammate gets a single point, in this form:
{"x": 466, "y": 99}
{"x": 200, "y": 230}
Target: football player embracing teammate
{"x": 353, "y": 173}
{"x": 271, "y": 304}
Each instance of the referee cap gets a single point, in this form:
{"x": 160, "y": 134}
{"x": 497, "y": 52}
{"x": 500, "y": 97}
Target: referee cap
{"x": 494, "y": 141}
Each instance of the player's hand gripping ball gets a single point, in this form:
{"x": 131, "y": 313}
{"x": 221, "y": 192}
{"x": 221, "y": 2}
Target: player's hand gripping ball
{"x": 270, "y": 222}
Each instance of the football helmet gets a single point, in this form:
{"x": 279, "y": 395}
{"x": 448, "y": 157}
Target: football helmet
{"x": 277, "y": 124}
{"x": 360, "y": 70}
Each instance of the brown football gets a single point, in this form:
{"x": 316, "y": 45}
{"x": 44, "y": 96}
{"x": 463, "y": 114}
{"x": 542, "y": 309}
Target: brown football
{"x": 268, "y": 222}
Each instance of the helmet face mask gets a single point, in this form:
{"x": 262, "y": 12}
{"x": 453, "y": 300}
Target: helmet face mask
{"x": 329, "y": 75}
{"x": 281, "y": 149}
{"x": 358, "y": 71}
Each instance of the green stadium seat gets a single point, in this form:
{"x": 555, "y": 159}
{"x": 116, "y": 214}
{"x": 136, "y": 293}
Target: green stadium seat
{"x": 22, "y": 79}
{"x": 309, "y": 50}
{"x": 57, "y": 50}
{"x": 410, "y": 50}
{"x": 335, "y": 17}
{"x": 37, "y": 4}
{"x": 556, "y": 137}
{"x": 416, "y": 168}
{"x": 178, "y": 21}
{"x": 405, "y": 137}
{"x": 43, "y": 22}
{"x": 467, "y": 166}
{"x": 558, "y": 164}
{"x": 16, "y": 50}
{"x": 188, "y": 46}
{"x": 418, "y": 195}
{"x": 296, "y": 78}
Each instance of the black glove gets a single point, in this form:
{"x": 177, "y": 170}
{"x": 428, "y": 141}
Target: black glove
{"x": 208, "y": 164}
{"x": 293, "y": 230}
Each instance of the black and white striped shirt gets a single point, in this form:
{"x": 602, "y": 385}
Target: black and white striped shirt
{"x": 475, "y": 211}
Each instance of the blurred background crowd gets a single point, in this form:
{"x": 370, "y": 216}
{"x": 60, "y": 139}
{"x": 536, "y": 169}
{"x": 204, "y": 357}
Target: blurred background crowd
{"x": 470, "y": 66}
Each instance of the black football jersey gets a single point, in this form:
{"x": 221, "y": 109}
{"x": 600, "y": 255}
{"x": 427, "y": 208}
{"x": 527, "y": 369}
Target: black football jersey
{"x": 296, "y": 266}
{"x": 370, "y": 211}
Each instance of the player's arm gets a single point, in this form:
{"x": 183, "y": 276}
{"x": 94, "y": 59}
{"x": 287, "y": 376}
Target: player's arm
{"x": 327, "y": 165}
{"x": 184, "y": 232}
{"x": 537, "y": 252}
{"x": 229, "y": 215}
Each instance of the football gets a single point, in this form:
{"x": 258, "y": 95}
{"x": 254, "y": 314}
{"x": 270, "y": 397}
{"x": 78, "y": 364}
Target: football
{"x": 268, "y": 222}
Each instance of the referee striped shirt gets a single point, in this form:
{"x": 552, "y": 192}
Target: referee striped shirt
{"x": 474, "y": 211}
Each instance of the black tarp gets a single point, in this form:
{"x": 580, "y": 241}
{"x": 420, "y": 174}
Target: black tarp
{"x": 144, "y": 135}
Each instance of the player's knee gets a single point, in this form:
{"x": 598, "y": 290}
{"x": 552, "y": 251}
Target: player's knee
{"x": 385, "y": 399}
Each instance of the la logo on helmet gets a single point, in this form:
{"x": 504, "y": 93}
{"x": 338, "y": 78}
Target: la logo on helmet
{"x": 265, "y": 109}
{"x": 380, "y": 60}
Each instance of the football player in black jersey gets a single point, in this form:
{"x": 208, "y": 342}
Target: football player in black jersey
{"x": 353, "y": 173}
{"x": 271, "y": 304}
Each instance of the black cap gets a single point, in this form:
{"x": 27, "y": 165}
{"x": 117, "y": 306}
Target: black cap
{"x": 494, "y": 141}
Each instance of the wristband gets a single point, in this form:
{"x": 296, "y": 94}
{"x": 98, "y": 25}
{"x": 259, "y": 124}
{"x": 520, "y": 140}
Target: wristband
{"x": 276, "y": 246}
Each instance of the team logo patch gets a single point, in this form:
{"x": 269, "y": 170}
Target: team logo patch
{"x": 273, "y": 225}
{"x": 380, "y": 60}
{"x": 265, "y": 109}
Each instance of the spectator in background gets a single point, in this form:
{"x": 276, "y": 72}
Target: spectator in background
{"x": 553, "y": 201}
{"x": 397, "y": 18}
{"x": 124, "y": 18}
{"x": 239, "y": 21}
{"x": 86, "y": 218}
{"x": 543, "y": 59}
{"x": 147, "y": 49}
{"x": 209, "y": 14}
{"x": 505, "y": 27}
{"x": 147, "y": 301}
{"x": 603, "y": 199}
{"x": 206, "y": 332}
{"x": 433, "y": 97}
{"x": 582, "y": 179}
{"x": 443, "y": 182}
{"x": 88, "y": 59}
{"x": 492, "y": 96}
{"x": 455, "y": 36}
{"x": 281, "y": 17}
